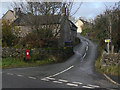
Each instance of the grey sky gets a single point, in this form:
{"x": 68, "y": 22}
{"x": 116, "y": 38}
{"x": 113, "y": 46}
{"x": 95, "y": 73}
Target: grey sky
{"x": 87, "y": 9}
{"x": 91, "y": 9}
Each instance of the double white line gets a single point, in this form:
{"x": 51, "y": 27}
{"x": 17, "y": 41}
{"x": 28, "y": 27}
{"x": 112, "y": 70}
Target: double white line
{"x": 61, "y": 72}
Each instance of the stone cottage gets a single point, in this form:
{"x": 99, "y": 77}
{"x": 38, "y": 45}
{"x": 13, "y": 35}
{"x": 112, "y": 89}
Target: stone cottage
{"x": 66, "y": 29}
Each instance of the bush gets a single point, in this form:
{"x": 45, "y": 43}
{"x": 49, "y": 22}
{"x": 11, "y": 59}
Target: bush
{"x": 8, "y": 38}
{"x": 31, "y": 41}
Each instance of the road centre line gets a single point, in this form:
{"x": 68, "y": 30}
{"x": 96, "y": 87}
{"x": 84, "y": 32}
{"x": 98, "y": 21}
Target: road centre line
{"x": 57, "y": 82}
{"x": 86, "y": 48}
{"x": 84, "y": 55}
{"x": 87, "y": 43}
{"x": 63, "y": 80}
{"x": 61, "y": 71}
{"x": 20, "y": 75}
{"x": 93, "y": 85}
{"x": 77, "y": 82}
{"x": 32, "y": 77}
{"x": 9, "y": 73}
{"x": 70, "y": 84}
{"x": 87, "y": 87}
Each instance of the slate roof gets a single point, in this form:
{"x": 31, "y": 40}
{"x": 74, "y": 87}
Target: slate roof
{"x": 28, "y": 19}
{"x": 83, "y": 21}
{"x": 73, "y": 27}
{"x": 40, "y": 20}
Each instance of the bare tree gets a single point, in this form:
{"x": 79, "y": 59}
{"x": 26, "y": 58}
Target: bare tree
{"x": 36, "y": 9}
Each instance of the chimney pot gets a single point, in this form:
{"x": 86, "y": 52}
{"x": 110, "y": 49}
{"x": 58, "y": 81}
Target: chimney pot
{"x": 19, "y": 12}
{"x": 15, "y": 12}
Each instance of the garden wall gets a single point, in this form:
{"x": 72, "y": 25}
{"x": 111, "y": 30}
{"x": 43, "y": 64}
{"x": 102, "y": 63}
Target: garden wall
{"x": 37, "y": 53}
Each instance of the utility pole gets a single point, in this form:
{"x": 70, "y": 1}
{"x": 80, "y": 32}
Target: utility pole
{"x": 110, "y": 27}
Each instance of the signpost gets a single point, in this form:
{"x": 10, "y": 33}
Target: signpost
{"x": 108, "y": 44}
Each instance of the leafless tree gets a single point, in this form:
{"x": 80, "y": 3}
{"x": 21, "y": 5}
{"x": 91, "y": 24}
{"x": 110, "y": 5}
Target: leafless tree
{"x": 35, "y": 9}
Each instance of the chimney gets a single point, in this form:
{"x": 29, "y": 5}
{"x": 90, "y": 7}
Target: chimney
{"x": 15, "y": 12}
{"x": 64, "y": 9}
{"x": 19, "y": 12}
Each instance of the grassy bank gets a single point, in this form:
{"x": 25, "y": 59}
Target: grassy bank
{"x": 15, "y": 62}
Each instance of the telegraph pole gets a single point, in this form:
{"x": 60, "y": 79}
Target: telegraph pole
{"x": 110, "y": 27}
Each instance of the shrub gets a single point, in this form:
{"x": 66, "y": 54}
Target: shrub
{"x": 31, "y": 41}
{"x": 8, "y": 38}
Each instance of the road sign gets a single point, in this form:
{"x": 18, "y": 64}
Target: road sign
{"x": 107, "y": 40}
{"x": 108, "y": 46}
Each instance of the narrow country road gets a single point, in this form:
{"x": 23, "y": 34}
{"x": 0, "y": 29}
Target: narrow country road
{"x": 77, "y": 72}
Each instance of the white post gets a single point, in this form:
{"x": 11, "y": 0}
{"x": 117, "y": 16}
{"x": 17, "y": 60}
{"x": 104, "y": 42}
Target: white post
{"x": 112, "y": 49}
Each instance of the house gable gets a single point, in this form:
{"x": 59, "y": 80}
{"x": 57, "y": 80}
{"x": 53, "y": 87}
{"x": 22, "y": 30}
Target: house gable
{"x": 9, "y": 16}
{"x": 79, "y": 24}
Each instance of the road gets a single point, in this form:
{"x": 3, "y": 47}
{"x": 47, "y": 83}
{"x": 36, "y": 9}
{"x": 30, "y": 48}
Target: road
{"x": 77, "y": 72}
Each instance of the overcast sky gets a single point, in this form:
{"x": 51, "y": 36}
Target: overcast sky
{"x": 87, "y": 9}
{"x": 91, "y": 9}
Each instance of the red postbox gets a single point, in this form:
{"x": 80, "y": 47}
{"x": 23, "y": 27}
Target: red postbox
{"x": 27, "y": 54}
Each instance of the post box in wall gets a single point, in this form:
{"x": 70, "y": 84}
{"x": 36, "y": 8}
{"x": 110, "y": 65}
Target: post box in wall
{"x": 27, "y": 54}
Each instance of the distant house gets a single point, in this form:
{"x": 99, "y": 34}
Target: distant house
{"x": 66, "y": 29}
{"x": 79, "y": 23}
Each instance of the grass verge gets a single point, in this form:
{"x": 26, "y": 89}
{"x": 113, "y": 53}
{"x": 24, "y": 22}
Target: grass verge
{"x": 15, "y": 62}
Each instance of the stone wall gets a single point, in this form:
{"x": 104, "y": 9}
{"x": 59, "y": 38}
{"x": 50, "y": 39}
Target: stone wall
{"x": 12, "y": 52}
{"x": 36, "y": 53}
{"x": 110, "y": 59}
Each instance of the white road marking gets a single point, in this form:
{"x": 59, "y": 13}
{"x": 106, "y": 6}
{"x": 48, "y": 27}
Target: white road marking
{"x": 86, "y": 48}
{"x": 61, "y": 71}
{"x": 93, "y": 85}
{"x": 84, "y": 55}
{"x": 87, "y": 43}
{"x": 32, "y": 77}
{"x": 50, "y": 78}
{"x": 63, "y": 80}
{"x": 70, "y": 84}
{"x": 9, "y": 73}
{"x": 111, "y": 80}
{"x": 77, "y": 82}
{"x": 86, "y": 87}
{"x": 20, "y": 75}
{"x": 44, "y": 79}
{"x": 57, "y": 82}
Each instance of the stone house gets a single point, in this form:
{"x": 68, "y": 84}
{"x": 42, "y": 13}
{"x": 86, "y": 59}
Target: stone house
{"x": 66, "y": 29}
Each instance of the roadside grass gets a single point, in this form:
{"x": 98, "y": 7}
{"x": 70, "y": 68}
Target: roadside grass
{"x": 98, "y": 65}
{"x": 0, "y": 62}
{"x": 15, "y": 62}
